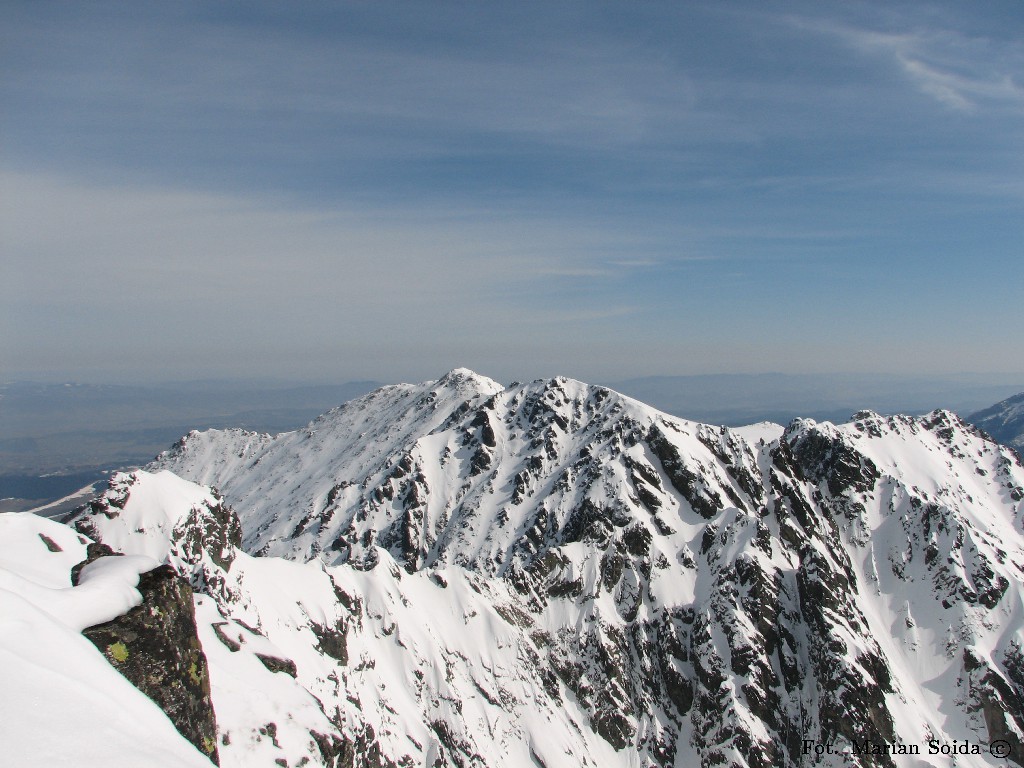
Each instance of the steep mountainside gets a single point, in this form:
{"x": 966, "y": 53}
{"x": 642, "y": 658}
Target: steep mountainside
{"x": 1004, "y": 421}
{"x": 555, "y": 573}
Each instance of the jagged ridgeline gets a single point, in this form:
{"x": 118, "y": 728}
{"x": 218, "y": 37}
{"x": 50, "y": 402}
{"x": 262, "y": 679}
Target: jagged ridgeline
{"x": 463, "y": 574}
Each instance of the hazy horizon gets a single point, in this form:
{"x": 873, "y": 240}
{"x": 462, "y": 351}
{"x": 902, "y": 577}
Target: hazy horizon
{"x": 62, "y": 426}
{"x": 77, "y": 378}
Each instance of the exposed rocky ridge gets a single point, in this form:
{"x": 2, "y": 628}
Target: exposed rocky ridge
{"x": 193, "y": 530}
{"x": 599, "y": 580}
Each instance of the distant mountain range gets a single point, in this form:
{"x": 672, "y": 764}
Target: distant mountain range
{"x": 737, "y": 399}
{"x": 460, "y": 573}
{"x": 1004, "y": 421}
{"x": 56, "y": 438}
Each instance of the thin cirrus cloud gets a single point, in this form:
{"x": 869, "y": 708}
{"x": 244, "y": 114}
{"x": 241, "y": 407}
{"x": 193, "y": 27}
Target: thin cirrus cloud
{"x": 374, "y": 181}
{"x": 960, "y": 71}
{"x": 120, "y": 237}
{"x": 960, "y": 91}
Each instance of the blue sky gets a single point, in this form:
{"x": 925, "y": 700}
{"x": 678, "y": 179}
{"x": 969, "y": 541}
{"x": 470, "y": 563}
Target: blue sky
{"x": 604, "y": 190}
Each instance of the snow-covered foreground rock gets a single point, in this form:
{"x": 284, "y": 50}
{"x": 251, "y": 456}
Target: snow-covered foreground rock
{"x": 62, "y": 703}
{"x": 551, "y": 574}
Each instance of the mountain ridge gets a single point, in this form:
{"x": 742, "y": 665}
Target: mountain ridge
{"x": 459, "y": 573}
{"x": 660, "y": 559}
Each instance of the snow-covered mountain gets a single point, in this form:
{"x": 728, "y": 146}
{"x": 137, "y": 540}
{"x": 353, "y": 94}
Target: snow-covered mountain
{"x": 1004, "y": 421}
{"x": 463, "y": 574}
{"x": 674, "y": 592}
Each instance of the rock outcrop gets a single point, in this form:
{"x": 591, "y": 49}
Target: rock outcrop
{"x": 156, "y": 646}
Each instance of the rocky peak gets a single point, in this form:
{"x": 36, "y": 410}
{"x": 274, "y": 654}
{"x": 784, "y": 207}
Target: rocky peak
{"x": 168, "y": 519}
{"x": 464, "y": 380}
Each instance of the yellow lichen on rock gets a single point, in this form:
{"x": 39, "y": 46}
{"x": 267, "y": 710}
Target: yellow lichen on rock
{"x": 118, "y": 651}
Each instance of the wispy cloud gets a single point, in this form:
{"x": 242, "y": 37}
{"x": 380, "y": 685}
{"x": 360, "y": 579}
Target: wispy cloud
{"x": 91, "y": 263}
{"x": 961, "y": 91}
{"x": 548, "y": 317}
{"x": 568, "y": 271}
{"x": 636, "y": 263}
{"x": 961, "y": 72}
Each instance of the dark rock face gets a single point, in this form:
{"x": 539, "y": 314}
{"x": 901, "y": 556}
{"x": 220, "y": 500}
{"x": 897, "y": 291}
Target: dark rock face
{"x": 360, "y": 751}
{"x": 688, "y": 483}
{"x": 997, "y": 701}
{"x": 50, "y": 544}
{"x": 214, "y": 530}
{"x": 155, "y": 646}
{"x": 113, "y": 501}
{"x": 832, "y": 461}
{"x": 331, "y": 641}
{"x": 275, "y": 664}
